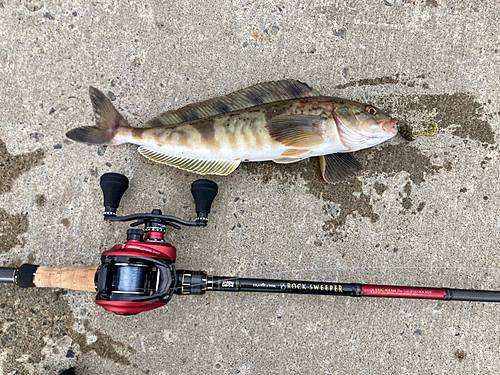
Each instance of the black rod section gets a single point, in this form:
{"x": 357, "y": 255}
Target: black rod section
{"x": 197, "y": 282}
{"x": 8, "y": 275}
{"x": 472, "y": 295}
{"x": 23, "y": 276}
{"x": 234, "y": 284}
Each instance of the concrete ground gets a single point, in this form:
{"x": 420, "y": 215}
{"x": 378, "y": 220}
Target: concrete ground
{"x": 423, "y": 213}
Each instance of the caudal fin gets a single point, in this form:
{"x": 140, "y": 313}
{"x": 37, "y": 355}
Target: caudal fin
{"x": 107, "y": 122}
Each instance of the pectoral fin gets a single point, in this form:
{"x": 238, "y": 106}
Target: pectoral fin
{"x": 296, "y": 130}
{"x": 338, "y": 167}
{"x": 199, "y": 166}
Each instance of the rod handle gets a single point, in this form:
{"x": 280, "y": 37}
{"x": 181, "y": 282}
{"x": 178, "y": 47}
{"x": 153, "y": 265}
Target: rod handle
{"x": 75, "y": 278}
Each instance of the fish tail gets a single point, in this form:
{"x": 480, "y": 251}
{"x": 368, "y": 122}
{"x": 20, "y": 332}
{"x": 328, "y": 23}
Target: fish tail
{"x": 107, "y": 122}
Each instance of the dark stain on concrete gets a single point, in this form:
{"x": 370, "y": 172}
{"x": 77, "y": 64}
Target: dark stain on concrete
{"x": 448, "y": 166}
{"x": 380, "y": 188}
{"x": 11, "y": 226}
{"x": 30, "y": 315}
{"x": 421, "y": 206}
{"x": 65, "y": 222}
{"x": 102, "y": 150}
{"x": 406, "y": 201}
{"x": 460, "y": 355}
{"x": 40, "y": 200}
{"x": 392, "y": 159}
{"x": 385, "y": 159}
{"x": 369, "y": 82}
{"x": 407, "y": 189}
{"x": 400, "y": 79}
{"x": 37, "y": 314}
{"x": 349, "y": 205}
{"x": 104, "y": 346}
{"x": 486, "y": 160}
{"x": 12, "y": 166}
{"x": 427, "y": 3}
{"x": 459, "y": 109}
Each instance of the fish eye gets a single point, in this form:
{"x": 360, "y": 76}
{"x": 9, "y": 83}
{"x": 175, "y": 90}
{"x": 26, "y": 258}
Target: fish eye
{"x": 371, "y": 110}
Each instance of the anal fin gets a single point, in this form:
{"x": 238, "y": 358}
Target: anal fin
{"x": 338, "y": 167}
{"x": 287, "y": 160}
{"x": 199, "y": 166}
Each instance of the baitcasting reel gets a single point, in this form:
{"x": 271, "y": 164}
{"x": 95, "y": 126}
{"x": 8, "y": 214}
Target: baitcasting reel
{"x": 140, "y": 274}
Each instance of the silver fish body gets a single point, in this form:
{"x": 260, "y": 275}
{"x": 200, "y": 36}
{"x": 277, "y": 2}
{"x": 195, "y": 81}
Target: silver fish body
{"x": 281, "y": 121}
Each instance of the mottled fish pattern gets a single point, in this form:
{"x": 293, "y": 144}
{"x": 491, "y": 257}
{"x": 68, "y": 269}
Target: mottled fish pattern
{"x": 283, "y": 121}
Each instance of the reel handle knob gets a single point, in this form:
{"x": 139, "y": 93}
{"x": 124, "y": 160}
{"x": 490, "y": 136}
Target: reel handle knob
{"x": 113, "y": 187}
{"x": 204, "y": 192}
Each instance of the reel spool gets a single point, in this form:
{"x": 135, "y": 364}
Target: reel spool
{"x": 131, "y": 279}
{"x": 129, "y": 285}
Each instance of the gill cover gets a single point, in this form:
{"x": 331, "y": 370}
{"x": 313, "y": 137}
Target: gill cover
{"x": 361, "y": 126}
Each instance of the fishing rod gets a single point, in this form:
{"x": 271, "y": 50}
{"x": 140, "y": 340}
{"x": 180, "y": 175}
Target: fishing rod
{"x": 140, "y": 274}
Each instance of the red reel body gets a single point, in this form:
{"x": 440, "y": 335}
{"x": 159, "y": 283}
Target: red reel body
{"x": 128, "y": 308}
{"x": 147, "y": 248}
{"x": 138, "y": 275}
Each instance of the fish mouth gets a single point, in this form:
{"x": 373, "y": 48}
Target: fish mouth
{"x": 389, "y": 126}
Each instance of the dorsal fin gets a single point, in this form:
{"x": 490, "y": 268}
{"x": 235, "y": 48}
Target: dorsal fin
{"x": 252, "y": 96}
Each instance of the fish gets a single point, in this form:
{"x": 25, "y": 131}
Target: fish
{"x": 284, "y": 121}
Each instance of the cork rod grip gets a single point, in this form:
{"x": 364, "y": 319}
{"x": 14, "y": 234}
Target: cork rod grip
{"x": 75, "y": 278}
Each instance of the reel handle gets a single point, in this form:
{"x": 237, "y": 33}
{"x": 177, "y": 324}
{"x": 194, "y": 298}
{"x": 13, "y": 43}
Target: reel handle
{"x": 113, "y": 187}
{"x": 204, "y": 193}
